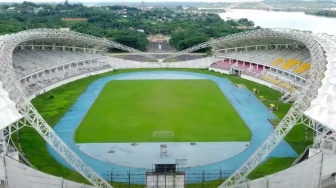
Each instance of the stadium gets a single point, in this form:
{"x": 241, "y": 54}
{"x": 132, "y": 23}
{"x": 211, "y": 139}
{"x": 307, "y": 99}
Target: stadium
{"x": 299, "y": 65}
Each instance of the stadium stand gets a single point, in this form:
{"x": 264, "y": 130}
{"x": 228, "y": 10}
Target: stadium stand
{"x": 271, "y": 79}
{"x": 37, "y": 69}
{"x": 222, "y": 64}
{"x": 290, "y": 63}
{"x": 267, "y": 57}
{"x": 281, "y": 83}
{"x": 242, "y": 66}
{"x": 284, "y": 68}
{"x": 118, "y": 63}
{"x": 254, "y": 70}
{"x": 302, "y": 68}
{"x": 29, "y": 61}
{"x": 277, "y": 61}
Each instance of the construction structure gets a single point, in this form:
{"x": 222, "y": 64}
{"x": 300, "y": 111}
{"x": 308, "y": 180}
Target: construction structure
{"x": 309, "y": 80}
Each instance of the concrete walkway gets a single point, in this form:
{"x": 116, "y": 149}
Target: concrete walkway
{"x": 144, "y": 155}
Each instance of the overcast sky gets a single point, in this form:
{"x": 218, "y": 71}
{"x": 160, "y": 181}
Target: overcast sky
{"x": 117, "y": 1}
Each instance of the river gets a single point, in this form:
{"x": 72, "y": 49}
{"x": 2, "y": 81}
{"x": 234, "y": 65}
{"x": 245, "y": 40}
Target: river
{"x": 276, "y": 19}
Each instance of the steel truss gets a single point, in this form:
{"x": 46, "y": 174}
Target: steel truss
{"x": 239, "y": 39}
{"x": 30, "y": 115}
{"x": 77, "y": 38}
{"x": 295, "y": 115}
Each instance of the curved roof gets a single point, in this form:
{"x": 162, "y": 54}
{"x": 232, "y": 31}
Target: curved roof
{"x": 65, "y": 37}
{"x": 323, "y": 107}
{"x": 310, "y": 96}
{"x": 8, "y": 112}
{"x": 318, "y": 60}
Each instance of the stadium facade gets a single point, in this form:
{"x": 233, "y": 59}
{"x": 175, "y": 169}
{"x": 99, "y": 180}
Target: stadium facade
{"x": 298, "y": 64}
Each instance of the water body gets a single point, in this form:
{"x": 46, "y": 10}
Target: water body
{"x": 275, "y": 19}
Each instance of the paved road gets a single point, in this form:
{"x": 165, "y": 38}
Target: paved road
{"x": 158, "y": 47}
{"x": 160, "y": 50}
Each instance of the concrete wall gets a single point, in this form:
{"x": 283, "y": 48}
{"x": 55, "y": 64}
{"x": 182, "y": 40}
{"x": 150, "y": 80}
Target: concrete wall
{"x": 22, "y": 176}
{"x": 329, "y": 165}
{"x": 257, "y": 80}
{"x": 303, "y": 175}
{"x": 253, "y": 79}
{"x": 165, "y": 181}
{"x": 219, "y": 70}
{"x": 118, "y": 63}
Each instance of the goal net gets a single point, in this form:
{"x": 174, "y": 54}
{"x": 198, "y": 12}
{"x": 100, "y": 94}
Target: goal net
{"x": 163, "y": 136}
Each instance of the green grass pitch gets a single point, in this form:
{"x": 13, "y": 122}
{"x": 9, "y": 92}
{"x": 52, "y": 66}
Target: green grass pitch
{"x": 132, "y": 110}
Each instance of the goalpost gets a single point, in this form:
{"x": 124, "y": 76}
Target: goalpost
{"x": 163, "y": 136}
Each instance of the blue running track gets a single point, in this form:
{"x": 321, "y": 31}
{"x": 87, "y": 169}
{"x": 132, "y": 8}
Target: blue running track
{"x": 251, "y": 110}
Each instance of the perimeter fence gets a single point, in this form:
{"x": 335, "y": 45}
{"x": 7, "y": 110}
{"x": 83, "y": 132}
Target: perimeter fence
{"x": 135, "y": 179}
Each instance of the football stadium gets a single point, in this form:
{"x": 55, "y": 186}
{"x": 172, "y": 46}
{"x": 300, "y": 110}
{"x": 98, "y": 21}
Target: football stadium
{"x": 74, "y": 115}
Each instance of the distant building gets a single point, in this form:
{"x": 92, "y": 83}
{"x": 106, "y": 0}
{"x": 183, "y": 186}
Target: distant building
{"x": 244, "y": 27}
{"x": 28, "y": 9}
{"x": 123, "y": 12}
{"x": 11, "y": 9}
{"x": 65, "y": 29}
{"x": 37, "y": 10}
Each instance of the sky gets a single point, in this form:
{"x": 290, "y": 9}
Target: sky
{"x": 117, "y": 1}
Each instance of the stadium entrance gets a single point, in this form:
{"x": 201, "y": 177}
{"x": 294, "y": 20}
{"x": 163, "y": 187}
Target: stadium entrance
{"x": 235, "y": 72}
{"x": 165, "y": 175}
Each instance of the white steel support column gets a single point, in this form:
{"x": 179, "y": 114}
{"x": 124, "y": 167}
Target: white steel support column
{"x": 30, "y": 115}
{"x": 295, "y": 115}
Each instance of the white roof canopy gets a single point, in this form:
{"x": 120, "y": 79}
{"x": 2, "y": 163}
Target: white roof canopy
{"x": 8, "y": 113}
{"x": 323, "y": 107}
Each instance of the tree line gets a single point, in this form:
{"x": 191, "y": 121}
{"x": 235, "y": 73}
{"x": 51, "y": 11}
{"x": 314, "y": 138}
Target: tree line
{"x": 327, "y": 13}
{"x": 129, "y": 26}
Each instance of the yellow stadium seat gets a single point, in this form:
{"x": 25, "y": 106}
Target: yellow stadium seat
{"x": 302, "y": 68}
{"x": 277, "y": 62}
{"x": 265, "y": 77}
{"x": 288, "y": 87}
{"x": 277, "y": 81}
{"x": 271, "y": 79}
{"x": 290, "y": 63}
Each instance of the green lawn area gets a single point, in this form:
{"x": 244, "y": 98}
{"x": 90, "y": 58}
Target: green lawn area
{"x": 52, "y": 109}
{"x": 144, "y": 110}
{"x": 271, "y": 166}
